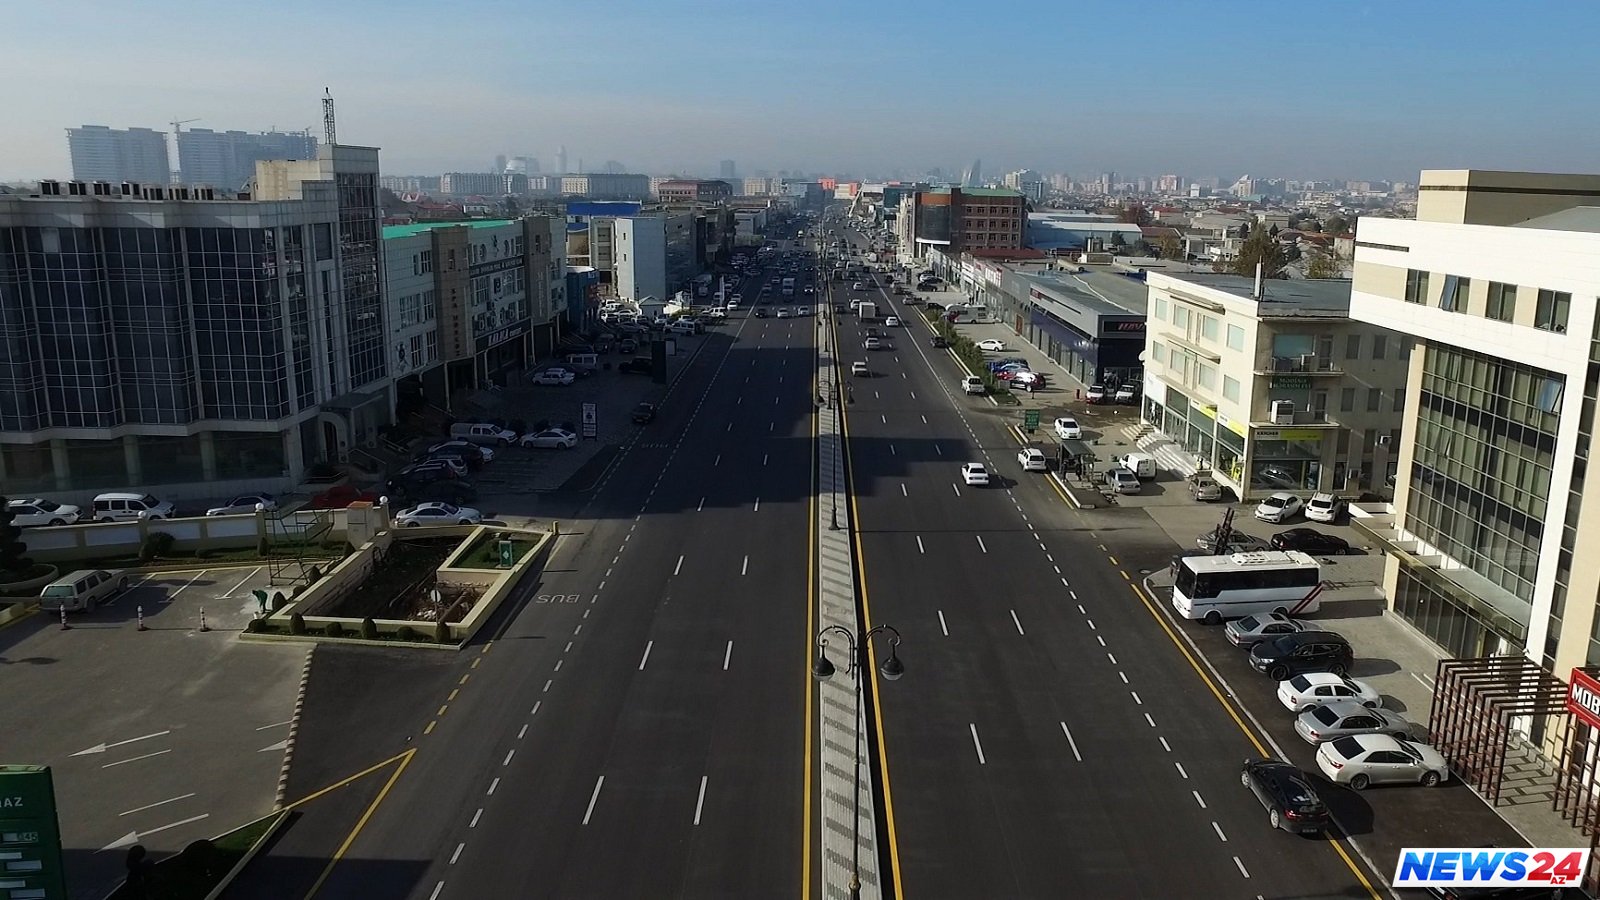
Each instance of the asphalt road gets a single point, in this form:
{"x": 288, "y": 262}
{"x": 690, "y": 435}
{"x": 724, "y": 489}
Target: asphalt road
{"x": 1048, "y": 738}
{"x": 637, "y": 729}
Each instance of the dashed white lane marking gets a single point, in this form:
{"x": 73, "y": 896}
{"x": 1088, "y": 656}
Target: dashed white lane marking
{"x": 758, "y": 504}
{"x": 701, "y": 507}
{"x": 547, "y": 686}
{"x": 535, "y": 710}
{"x": 1071, "y": 743}
{"x": 942, "y": 626}
{"x": 1121, "y": 674}
{"x": 892, "y": 451}
{"x": 726, "y": 656}
{"x": 523, "y": 732}
{"x": 938, "y": 449}
{"x": 920, "y": 548}
{"x": 475, "y": 817}
{"x": 1199, "y": 799}
{"x": 903, "y": 490}
{"x": 956, "y": 488}
{"x": 569, "y": 647}
{"x": 599, "y": 782}
{"x": 1242, "y": 870}
{"x": 1219, "y": 831}
{"x": 980, "y": 543}
{"x": 1091, "y": 625}
{"x": 745, "y": 569}
{"x": 509, "y": 753}
{"x": 1100, "y": 639}
{"x": 436, "y": 891}
{"x": 1181, "y": 770}
{"x": 1150, "y": 720}
{"x": 978, "y": 745}
{"x": 701, "y": 801}
{"x": 493, "y": 786}
{"x": 1166, "y": 746}
{"x": 1017, "y": 622}
{"x": 924, "y": 420}
{"x": 679, "y": 567}
{"x": 1136, "y": 699}
{"x": 764, "y": 457}
{"x": 558, "y": 665}
{"x": 646, "y": 658}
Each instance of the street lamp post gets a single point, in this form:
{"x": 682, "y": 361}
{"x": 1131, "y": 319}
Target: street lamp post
{"x": 891, "y": 670}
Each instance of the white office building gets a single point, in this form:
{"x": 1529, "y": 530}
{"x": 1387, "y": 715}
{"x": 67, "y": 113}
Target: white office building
{"x": 640, "y": 257}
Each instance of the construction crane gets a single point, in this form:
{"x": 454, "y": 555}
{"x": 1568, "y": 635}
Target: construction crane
{"x": 177, "y": 122}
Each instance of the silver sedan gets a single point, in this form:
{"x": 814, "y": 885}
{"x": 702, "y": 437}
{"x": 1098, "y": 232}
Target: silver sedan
{"x": 1249, "y": 631}
{"x": 1347, "y": 717}
{"x": 1363, "y": 759}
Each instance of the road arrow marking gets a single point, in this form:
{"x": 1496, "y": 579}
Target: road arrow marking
{"x": 101, "y": 748}
{"x": 133, "y": 837}
{"x": 281, "y": 745}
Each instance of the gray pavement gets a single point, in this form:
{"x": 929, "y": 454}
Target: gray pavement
{"x": 157, "y": 737}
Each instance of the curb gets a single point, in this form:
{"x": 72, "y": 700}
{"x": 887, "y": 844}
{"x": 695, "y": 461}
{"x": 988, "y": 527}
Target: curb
{"x": 29, "y": 608}
{"x": 238, "y": 868}
{"x": 294, "y": 731}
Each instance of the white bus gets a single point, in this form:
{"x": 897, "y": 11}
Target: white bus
{"x": 1214, "y": 588}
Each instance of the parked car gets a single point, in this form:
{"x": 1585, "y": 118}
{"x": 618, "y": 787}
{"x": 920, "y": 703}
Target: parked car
{"x": 992, "y": 345}
{"x": 482, "y": 433}
{"x": 437, "y": 514}
{"x": 639, "y": 365}
{"x": 627, "y": 345}
{"x": 1279, "y": 507}
{"x": 1276, "y": 476}
{"x": 119, "y": 506}
{"x": 1032, "y": 460}
{"x": 83, "y": 590}
{"x": 1291, "y": 803}
{"x": 1309, "y": 689}
{"x": 1249, "y": 631}
{"x": 453, "y": 466}
{"x": 38, "y": 511}
{"x": 1238, "y": 542}
{"x": 1068, "y": 429}
{"x": 244, "y": 503}
{"x": 466, "y": 448}
{"x": 1096, "y": 394}
{"x": 644, "y": 413}
{"x": 995, "y": 365}
{"x": 1332, "y": 721}
{"x": 1325, "y": 507}
{"x": 471, "y": 459}
{"x": 1360, "y": 760}
{"x": 550, "y": 439}
{"x": 559, "y": 377}
{"x": 1127, "y": 394}
{"x": 974, "y": 474}
{"x": 1204, "y": 487}
{"x": 447, "y": 491}
{"x": 1122, "y": 481}
{"x": 1308, "y": 651}
{"x": 1310, "y": 540}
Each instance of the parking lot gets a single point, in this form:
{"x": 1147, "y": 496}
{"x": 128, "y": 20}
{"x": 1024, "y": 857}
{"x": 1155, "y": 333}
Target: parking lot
{"x": 156, "y": 737}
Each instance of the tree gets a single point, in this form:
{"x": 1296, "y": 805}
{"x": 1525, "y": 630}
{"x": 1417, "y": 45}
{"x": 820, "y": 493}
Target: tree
{"x": 1324, "y": 265}
{"x": 1259, "y": 247}
{"x": 1273, "y": 231}
{"x": 13, "y": 552}
{"x": 1170, "y": 247}
{"x": 1335, "y": 224}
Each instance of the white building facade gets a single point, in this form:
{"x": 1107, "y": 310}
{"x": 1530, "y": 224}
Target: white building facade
{"x": 640, "y": 257}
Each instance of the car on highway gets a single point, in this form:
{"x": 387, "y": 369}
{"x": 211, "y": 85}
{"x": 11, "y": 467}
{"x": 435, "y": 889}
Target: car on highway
{"x": 802, "y": 310}
{"x": 550, "y": 439}
{"x": 1360, "y": 760}
{"x": 39, "y": 511}
{"x": 1310, "y": 540}
{"x": 1288, "y": 655}
{"x": 1332, "y": 721}
{"x": 939, "y": 341}
{"x": 974, "y": 473}
{"x": 557, "y": 377}
{"x": 1279, "y": 507}
{"x": 1249, "y": 631}
{"x": 859, "y": 368}
{"x": 892, "y": 322}
{"x": 437, "y": 514}
{"x": 1032, "y": 460}
{"x": 873, "y": 343}
{"x": 991, "y": 345}
{"x": 1325, "y": 507}
{"x": 856, "y": 286}
{"x": 1067, "y": 429}
{"x": 1291, "y": 803}
{"x": 1096, "y": 393}
{"x": 639, "y": 365}
{"x": 244, "y": 503}
{"x": 735, "y": 300}
{"x": 1304, "y": 691}
{"x": 644, "y": 413}
{"x": 1238, "y": 542}
{"x": 783, "y": 312}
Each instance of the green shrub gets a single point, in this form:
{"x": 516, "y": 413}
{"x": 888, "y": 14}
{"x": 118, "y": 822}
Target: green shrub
{"x": 297, "y": 624}
{"x": 157, "y": 544}
{"x": 406, "y": 633}
{"x": 333, "y": 630}
{"x": 369, "y": 629}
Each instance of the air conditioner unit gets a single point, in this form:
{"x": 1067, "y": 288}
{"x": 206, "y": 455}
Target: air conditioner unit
{"x": 1283, "y": 412}
{"x": 1383, "y": 439}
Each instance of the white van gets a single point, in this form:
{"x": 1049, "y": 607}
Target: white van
{"x": 122, "y": 507}
{"x": 482, "y": 433}
{"x": 1142, "y": 465}
{"x": 82, "y": 591}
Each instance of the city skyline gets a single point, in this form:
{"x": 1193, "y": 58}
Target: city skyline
{"x": 1344, "y": 94}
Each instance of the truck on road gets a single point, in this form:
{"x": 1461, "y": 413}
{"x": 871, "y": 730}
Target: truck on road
{"x": 788, "y": 287}
{"x": 868, "y": 310}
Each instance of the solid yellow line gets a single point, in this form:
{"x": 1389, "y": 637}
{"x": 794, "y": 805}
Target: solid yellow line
{"x": 1149, "y": 601}
{"x": 361, "y": 823}
{"x": 344, "y": 781}
{"x": 811, "y": 625}
{"x": 872, "y": 657}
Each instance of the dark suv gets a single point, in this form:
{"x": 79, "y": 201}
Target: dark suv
{"x": 1308, "y": 651}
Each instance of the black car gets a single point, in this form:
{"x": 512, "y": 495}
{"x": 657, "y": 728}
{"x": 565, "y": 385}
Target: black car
{"x": 639, "y": 365}
{"x": 761, "y": 313}
{"x": 939, "y": 341}
{"x": 1308, "y": 651}
{"x": 932, "y": 305}
{"x": 628, "y": 345}
{"x": 644, "y": 413}
{"x": 1290, "y": 802}
{"x": 473, "y": 460}
{"x": 1310, "y": 540}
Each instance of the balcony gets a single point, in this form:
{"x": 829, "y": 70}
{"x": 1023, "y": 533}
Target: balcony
{"x": 1308, "y": 365}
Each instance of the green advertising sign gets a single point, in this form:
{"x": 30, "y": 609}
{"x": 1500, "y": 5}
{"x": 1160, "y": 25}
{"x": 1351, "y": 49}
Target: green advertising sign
{"x": 30, "y": 836}
{"x": 1030, "y": 419}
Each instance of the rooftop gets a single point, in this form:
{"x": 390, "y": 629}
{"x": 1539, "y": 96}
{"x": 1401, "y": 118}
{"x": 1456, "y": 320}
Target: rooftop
{"x": 1578, "y": 218}
{"x": 1279, "y": 297}
{"x": 400, "y": 231}
{"x": 979, "y": 192}
{"x": 1099, "y": 288}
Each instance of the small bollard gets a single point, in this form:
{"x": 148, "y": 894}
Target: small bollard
{"x": 555, "y": 528}
{"x": 203, "y": 625}
{"x": 141, "y": 619}
{"x": 64, "y": 625}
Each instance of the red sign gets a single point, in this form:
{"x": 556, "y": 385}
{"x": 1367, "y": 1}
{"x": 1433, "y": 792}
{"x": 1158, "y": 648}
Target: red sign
{"x": 1583, "y": 697}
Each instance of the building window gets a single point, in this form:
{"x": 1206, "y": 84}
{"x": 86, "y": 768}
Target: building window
{"x": 1454, "y": 296}
{"x": 1552, "y": 311}
{"x": 1206, "y": 375}
{"x": 1374, "y": 399}
{"x": 1502, "y": 301}
{"x": 1230, "y": 388}
{"x": 1416, "y": 286}
{"x": 1158, "y": 352}
{"x": 1347, "y": 400}
{"x": 1180, "y": 317}
{"x": 1161, "y": 308}
{"x": 1208, "y": 328}
{"x": 1352, "y": 346}
{"x": 1380, "y": 346}
{"x": 1399, "y": 399}
{"x": 1235, "y": 337}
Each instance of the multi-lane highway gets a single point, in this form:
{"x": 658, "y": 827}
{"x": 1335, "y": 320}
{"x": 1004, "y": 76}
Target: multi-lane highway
{"x": 1049, "y": 739}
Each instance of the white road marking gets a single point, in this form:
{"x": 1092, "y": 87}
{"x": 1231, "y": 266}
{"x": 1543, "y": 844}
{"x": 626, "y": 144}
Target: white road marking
{"x": 701, "y": 802}
{"x": 981, "y": 544}
{"x": 745, "y": 569}
{"x": 646, "y": 657}
{"x": 1136, "y": 699}
{"x": 535, "y": 711}
{"x": 1091, "y": 624}
{"x": 1181, "y": 770}
{"x": 592, "y": 798}
{"x": 1219, "y": 831}
{"x": 241, "y": 583}
{"x": 174, "y": 595}
{"x": 1150, "y": 720}
{"x": 457, "y": 855}
{"x": 494, "y": 786}
{"x": 1420, "y": 681}
{"x": 1112, "y": 658}
{"x": 717, "y": 462}
{"x": 920, "y": 548}
{"x": 924, "y": 420}
{"x": 758, "y": 504}
{"x": 558, "y": 665}
{"x": 101, "y": 748}
{"x": 1057, "y": 568}
{"x": 942, "y": 626}
{"x": 903, "y": 490}
{"x": 1121, "y": 674}
{"x": 509, "y": 753}
{"x": 547, "y": 686}
{"x": 1100, "y": 639}
{"x": 275, "y": 725}
{"x": 727, "y": 655}
{"x": 121, "y": 762}
{"x": 523, "y": 732}
{"x": 1075, "y": 596}
{"x": 569, "y": 647}
{"x": 436, "y": 891}
{"x": 977, "y": 744}
{"x": 1166, "y": 746}
{"x": 1072, "y": 743}
{"x": 938, "y": 449}
{"x": 913, "y": 395}
{"x": 155, "y": 804}
{"x": 475, "y": 817}
{"x": 1017, "y": 622}
{"x": 1199, "y": 799}
{"x": 892, "y": 451}
{"x": 956, "y": 488}
{"x": 702, "y": 506}
{"x": 679, "y": 567}
{"x": 1242, "y": 870}
{"x": 884, "y": 418}
{"x": 764, "y": 458}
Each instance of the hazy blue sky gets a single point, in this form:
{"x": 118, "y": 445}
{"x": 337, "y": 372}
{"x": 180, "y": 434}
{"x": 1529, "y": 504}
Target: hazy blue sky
{"x": 1344, "y": 90}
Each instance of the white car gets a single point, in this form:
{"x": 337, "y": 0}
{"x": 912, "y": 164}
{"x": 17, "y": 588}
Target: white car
{"x": 802, "y": 310}
{"x": 1323, "y": 507}
{"x": 892, "y": 322}
{"x": 735, "y": 300}
{"x": 1032, "y": 460}
{"x": 1302, "y": 692}
{"x": 1280, "y": 507}
{"x": 550, "y": 439}
{"x": 1068, "y": 429}
{"x": 1362, "y": 759}
{"x": 38, "y": 511}
{"x": 553, "y": 376}
{"x": 859, "y": 368}
{"x": 682, "y": 326}
{"x": 974, "y": 473}
{"x": 856, "y": 303}
{"x": 717, "y": 312}
{"x": 783, "y": 312}
{"x": 992, "y": 345}
{"x": 244, "y": 503}
{"x": 437, "y": 514}
{"x": 873, "y": 343}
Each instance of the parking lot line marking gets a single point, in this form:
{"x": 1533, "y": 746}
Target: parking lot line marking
{"x": 475, "y": 817}
{"x": 429, "y": 730}
{"x": 596, "y": 795}
{"x": 437, "y": 889}
{"x": 1199, "y": 799}
{"x": 136, "y": 758}
{"x": 1242, "y": 870}
{"x": 1421, "y": 682}
{"x": 977, "y": 744}
{"x": 275, "y": 725}
{"x": 1071, "y": 743}
{"x": 241, "y": 583}
{"x": 646, "y": 658}
{"x": 942, "y": 626}
{"x": 1018, "y": 622}
{"x": 155, "y": 804}
{"x": 174, "y": 595}
{"x": 1219, "y": 831}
